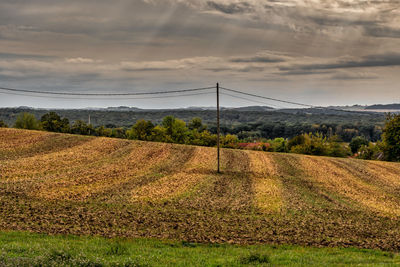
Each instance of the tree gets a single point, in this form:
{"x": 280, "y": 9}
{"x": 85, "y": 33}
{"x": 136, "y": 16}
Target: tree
{"x": 118, "y": 133}
{"x": 2, "y": 124}
{"x": 159, "y": 134}
{"x": 103, "y": 131}
{"x": 336, "y": 147}
{"x": 295, "y": 141}
{"x": 279, "y": 144}
{"x": 357, "y": 142}
{"x": 27, "y": 121}
{"x": 197, "y": 124}
{"x": 52, "y": 122}
{"x": 175, "y": 129}
{"x": 142, "y": 130}
{"x": 80, "y": 127}
{"x": 391, "y": 137}
{"x": 229, "y": 141}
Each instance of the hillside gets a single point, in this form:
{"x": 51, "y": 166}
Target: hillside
{"x": 385, "y": 107}
{"x": 57, "y": 183}
{"x": 128, "y": 117}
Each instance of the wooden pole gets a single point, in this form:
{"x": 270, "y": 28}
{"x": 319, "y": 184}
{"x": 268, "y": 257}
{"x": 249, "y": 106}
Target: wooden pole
{"x": 218, "y": 131}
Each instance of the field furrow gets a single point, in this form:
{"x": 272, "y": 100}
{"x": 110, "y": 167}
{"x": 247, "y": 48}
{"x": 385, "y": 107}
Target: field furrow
{"x": 344, "y": 183}
{"x": 55, "y": 183}
{"x": 267, "y": 185}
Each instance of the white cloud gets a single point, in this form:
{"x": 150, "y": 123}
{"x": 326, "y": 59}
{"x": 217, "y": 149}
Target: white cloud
{"x": 81, "y": 60}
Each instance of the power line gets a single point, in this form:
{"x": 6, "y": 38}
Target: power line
{"x": 61, "y": 95}
{"x": 251, "y": 100}
{"x": 104, "y": 94}
{"x": 295, "y": 103}
{"x": 113, "y": 98}
{"x": 269, "y": 98}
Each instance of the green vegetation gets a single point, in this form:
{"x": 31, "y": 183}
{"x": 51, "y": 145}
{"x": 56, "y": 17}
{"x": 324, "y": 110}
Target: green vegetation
{"x": 27, "y": 121}
{"x": 391, "y": 137}
{"x": 248, "y": 125}
{"x": 2, "y": 124}
{"x": 28, "y": 249}
{"x": 357, "y": 142}
{"x": 318, "y": 141}
{"x": 317, "y": 144}
{"x": 52, "y": 122}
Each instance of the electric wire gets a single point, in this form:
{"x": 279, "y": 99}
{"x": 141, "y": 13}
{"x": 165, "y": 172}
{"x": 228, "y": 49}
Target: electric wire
{"x": 113, "y": 98}
{"x": 104, "y": 94}
{"x": 251, "y": 100}
{"x": 269, "y": 98}
{"x": 95, "y": 96}
{"x": 296, "y": 103}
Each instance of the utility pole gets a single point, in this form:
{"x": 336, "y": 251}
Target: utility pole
{"x": 218, "y": 131}
{"x": 89, "y": 124}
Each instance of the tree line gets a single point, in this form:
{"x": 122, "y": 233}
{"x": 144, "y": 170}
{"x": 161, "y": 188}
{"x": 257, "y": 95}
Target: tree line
{"x": 318, "y": 141}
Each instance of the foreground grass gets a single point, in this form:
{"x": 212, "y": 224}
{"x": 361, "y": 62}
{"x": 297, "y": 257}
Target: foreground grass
{"x": 28, "y": 249}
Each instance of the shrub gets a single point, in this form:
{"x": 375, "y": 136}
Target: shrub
{"x": 2, "y": 124}
{"x": 357, "y": 142}
{"x": 142, "y": 130}
{"x": 372, "y": 151}
{"x": 229, "y": 141}
{"x": 52, "y": 122}
{"x": 103, "y": 131}
{"x": 336, "y": 148}
{"x": 279, "y": 145}
{"x": 27, "y": 121}
{"x": 80, "y": 127}
{"x": 391, "y": 137}
{"x": 314, "y": 144}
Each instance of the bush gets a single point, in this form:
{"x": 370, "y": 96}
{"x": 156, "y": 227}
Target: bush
{"x": 229, "y": 141}
{"x": 279, "y": 145}
{"x": 357, "y": 142}
{"x": 2, "y": 124}
{"x": 142, "y": 130}
{"x": 391, "y": 137}
{"x": 317, "y": 144}
{"x": 372, "y": 151}
{"x": 52, "y": 122}
{"x": 80, "y": 127}
{"x": 314, "y": 144}
{"x": 27, "y": 121}
{"x": 336, "y": 148}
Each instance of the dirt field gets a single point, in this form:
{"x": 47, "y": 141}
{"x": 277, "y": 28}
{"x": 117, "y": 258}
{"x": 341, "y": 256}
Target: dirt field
{"x": 55, "y": 183}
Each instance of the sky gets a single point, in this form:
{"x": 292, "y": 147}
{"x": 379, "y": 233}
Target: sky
{"x": 318, "y": 52}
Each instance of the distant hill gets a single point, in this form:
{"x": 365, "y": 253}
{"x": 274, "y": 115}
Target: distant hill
{"x": 386, "y": 107}
{"x": 127, "y": 116}
{"x": 247, "y": 122}
{"x": 70, "y": 184}
{"x": 252, "y": 108}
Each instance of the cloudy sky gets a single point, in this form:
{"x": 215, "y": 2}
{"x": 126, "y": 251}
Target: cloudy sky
{"x": 321, "y": 52}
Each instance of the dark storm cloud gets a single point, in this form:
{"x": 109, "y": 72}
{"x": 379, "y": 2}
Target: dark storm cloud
{"x": 22, "y": 56}
{"x": 232, "y": 69}
{"x": 382, "y": 31}
{"x": 354, "y": 76}
{"x": 381, "y": 60}
{"x": 302, "y": 72}
{"x": 146, "y": 69}
{"x": 257, "y": 59}
{"x": 233, "y": 8}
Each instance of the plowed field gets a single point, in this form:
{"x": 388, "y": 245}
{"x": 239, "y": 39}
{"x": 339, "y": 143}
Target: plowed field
{"x": 57, "y": 183}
